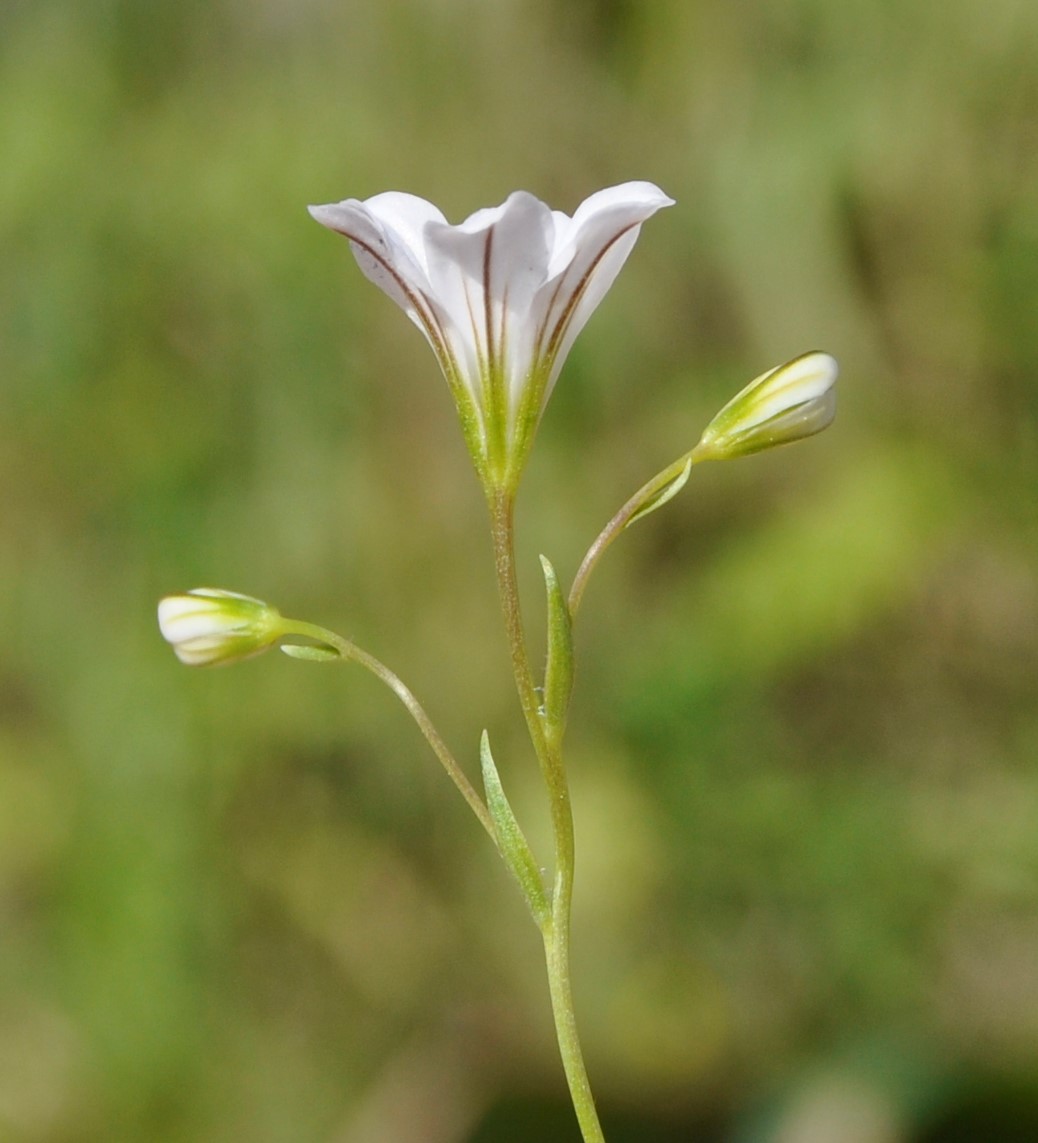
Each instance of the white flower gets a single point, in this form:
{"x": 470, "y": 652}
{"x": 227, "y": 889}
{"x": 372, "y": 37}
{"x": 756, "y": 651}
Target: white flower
{"x": 207, "y": 626}
{"x": 500, "y": 297}
{"x": 787, "y": 403}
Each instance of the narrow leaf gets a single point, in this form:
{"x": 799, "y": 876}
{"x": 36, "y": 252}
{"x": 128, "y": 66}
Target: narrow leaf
{"x": 513, "y": 844}
{"x": 558, "y": 670}
{"x": 660, "y": 497}
{"x": 313, "y": 652}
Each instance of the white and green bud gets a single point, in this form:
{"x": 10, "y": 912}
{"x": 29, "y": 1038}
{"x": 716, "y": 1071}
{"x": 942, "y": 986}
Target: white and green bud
{"x": 208, "y": 627}
{"x": 792, "y": 401}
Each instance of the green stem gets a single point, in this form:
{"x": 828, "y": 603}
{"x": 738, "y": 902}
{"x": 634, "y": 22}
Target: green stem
{"x": 618, "y": 523}
{"x": 351, "y": 651}
{"x": 556, "y": 929}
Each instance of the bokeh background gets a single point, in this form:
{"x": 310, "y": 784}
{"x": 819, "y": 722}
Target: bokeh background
{"x": 246, "y": 904}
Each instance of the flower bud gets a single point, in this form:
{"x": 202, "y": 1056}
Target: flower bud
{"x": 789, "y": 402}
{"x": 207, "y": 626}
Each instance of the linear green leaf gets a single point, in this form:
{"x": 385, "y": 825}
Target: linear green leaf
{"x": 512, "y": 842}
{"x": 660, "y": 497}
{"x": 558, "y": 670}
{"x": 313, "y": 652}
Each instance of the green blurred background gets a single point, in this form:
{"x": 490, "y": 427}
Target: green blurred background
{"x": 247, "y": 904}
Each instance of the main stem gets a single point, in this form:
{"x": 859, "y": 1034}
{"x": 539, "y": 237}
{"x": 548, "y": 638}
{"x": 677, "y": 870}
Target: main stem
{"x": 556, "y": 930}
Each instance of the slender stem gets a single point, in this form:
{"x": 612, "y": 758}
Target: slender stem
{"x": 556, "y": 930}
{"x": 617, "y": 524}
{"x": 352, "y": 652}
{"x": 503, "y": 531}
{"x": 556, "y": 953}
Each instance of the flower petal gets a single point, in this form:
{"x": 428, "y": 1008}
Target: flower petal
{"x": 405, "y": 216}
{"x": 589, "y": 254}
{"x": 385, "y": 236}
{"x": 486, "y": 274}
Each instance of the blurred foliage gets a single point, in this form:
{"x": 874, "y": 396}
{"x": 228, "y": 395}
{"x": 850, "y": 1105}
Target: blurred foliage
{"x": 246, "y": 904}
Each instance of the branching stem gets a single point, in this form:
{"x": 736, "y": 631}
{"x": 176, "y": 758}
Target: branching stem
{"x": 350, "y": 651}
{"x": 630, "y": 510}
{"x": 548, "y": 747}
